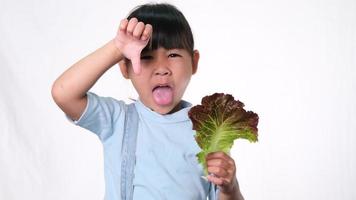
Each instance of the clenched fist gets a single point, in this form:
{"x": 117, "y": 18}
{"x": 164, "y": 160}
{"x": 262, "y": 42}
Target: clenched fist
{"x": 131, "y": 39}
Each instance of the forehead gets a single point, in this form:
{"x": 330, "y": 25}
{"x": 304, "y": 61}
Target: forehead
{"x": 165, "y": 50}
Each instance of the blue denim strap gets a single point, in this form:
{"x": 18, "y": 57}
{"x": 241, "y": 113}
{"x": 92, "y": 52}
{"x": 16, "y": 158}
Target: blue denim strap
{"x": 128, "y": 152}
{"x": 213, "y": 192}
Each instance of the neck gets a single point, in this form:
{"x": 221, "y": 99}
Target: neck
{"x": 176, "y": 108}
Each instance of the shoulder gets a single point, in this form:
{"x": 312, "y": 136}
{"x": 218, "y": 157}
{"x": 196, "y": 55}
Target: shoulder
{"x": 95, "y": 100}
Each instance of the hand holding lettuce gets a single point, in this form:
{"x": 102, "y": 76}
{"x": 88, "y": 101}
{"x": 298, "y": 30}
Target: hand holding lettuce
{"x": 218, "y": 122}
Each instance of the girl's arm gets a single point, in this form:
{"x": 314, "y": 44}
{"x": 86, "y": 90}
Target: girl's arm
{"x": 235, "y": 194}
{"x": 69, "y": 90}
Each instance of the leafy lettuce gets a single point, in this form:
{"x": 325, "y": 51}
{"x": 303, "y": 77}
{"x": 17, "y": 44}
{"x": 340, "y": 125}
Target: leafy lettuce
{"x": 218, "y": 122}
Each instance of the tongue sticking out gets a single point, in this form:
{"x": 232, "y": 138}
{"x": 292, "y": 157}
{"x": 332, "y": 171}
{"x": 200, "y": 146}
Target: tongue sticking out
{"x": 163, "y": 95}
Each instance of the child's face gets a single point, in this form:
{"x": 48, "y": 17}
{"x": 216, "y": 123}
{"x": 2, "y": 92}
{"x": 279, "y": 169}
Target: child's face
{"x": 165, "y": 74}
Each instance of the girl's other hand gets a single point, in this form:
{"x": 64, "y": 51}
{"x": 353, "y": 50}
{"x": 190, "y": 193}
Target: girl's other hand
{"x": 131, "y": 39}
{"x": 222, "y": 170}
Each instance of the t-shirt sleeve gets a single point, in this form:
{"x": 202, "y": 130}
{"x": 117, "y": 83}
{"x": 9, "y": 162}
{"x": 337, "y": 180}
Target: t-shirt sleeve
{"x": 100, "y": 115}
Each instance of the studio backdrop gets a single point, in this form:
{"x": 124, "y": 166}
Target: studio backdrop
{"x": 292, "y": 62}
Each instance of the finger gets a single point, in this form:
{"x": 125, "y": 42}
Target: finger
{"x": 215, "y": 180}
{"x": 220, "y": 155}
{"x": 147, "y": 32}
{"x": 123, "y": 24}
{"x": 222, "y": 182}
{"x": 136, "y": 64}
{"x": 131, "y": 26}
{"x": 218, "y": 171}
{"x": 217, "y": 155}
{"x": 219, "y": 163}
{"x": 140, "y": 26}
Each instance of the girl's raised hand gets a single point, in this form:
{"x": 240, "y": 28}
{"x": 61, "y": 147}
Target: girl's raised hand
{"x": 131, "y": 39}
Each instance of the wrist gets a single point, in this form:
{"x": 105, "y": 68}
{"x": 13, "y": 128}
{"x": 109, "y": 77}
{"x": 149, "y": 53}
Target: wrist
{"x": 232, "y": 192}
{"x": 115, "y": 50}
{"x": 232, "y": 188}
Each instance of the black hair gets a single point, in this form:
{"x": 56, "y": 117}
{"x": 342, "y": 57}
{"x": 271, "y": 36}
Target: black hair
{"x": 170, "y": 28}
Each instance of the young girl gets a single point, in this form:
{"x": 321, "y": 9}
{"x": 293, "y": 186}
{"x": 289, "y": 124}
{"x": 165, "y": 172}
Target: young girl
{"x": 155, "y": 49}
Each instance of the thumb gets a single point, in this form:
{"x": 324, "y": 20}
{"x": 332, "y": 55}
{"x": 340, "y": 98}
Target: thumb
{"x": 136, "y": 64}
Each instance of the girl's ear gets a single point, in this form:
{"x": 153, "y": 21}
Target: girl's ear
{"x": 196, "y": 57}
{"x": 123, "y": 68}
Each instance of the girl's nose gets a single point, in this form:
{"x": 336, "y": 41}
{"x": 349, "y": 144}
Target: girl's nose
{"x": 162, "y": 70}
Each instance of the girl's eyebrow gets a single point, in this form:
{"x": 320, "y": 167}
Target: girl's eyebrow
{"x": 176, "y": 49}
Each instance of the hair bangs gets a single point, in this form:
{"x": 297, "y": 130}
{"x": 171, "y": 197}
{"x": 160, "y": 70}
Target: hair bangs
{"x": 169, "y": 36}
{"x": 170, "y": 28}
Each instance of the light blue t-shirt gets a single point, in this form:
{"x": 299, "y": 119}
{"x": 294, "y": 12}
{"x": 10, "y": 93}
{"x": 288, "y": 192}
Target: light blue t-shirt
{"x": 166, "y": 167}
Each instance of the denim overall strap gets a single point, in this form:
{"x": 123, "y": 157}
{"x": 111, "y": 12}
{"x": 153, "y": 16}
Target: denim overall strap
{"x": 128, "y": 152}
{"x": 213, "y": 192}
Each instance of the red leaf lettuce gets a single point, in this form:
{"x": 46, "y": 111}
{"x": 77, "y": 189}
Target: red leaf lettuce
{"x": 218, "y": 122}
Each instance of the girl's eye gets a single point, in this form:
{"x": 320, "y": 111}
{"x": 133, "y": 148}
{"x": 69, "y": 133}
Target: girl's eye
{"x": 173, "y": 55}
{"x": 146, "y": 57}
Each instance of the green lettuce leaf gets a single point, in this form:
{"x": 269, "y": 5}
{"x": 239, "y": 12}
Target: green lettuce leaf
{"x": 218, "y": 122}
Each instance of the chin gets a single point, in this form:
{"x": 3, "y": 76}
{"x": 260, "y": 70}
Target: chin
{"x": 165, "y": 109}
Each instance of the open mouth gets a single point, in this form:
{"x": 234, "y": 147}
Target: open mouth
{"x": 163, "y": 94}
{"x": 160, "y": 86}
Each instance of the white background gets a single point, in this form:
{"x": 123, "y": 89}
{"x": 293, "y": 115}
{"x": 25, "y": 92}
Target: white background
{"x": 292, "y": 62}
